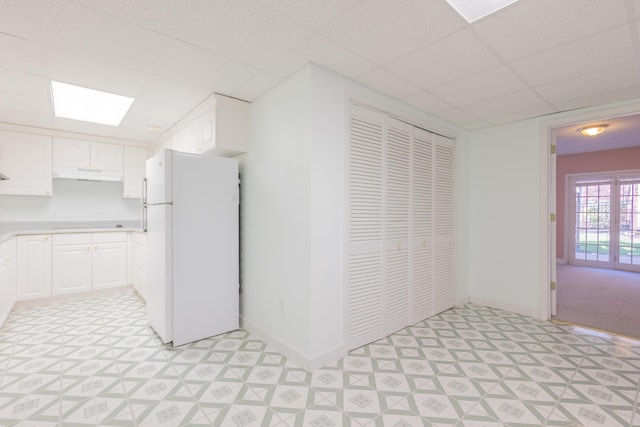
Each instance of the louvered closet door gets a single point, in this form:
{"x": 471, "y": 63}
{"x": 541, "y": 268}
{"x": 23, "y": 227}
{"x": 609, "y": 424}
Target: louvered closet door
{"x": 421, "y": 289}
{"x": 365, "y": 230}
{"x": 396, "y": 225}
{"x": 443, "y": 230}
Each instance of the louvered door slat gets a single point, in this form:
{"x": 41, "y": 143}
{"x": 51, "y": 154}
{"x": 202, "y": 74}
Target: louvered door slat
{"x": 443, "y": 203}
{"x": 365, "y": 229}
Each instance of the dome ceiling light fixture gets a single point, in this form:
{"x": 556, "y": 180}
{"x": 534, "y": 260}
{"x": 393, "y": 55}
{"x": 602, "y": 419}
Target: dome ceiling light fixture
{"x": 592, "y": 130}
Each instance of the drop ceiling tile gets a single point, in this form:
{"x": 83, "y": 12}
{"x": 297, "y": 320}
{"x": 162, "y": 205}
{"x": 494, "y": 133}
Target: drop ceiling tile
{"x": 528, "y": 27}
{"x": 310, "y": 13}
{"x": 242, "y": 30}
{"x": 427, "y": 102}
{"x": 81, "y": 70}
{"x": 84, "y": 127}
{"x": 20, "y": 55}
{"x": 163, "y": 16}
{"x": 458, "y": 117}
{"x": 479, "y": 87}
{"x": 24, "y": 103}
{"x": 321, "y": 51}
{"x": 30, "y": 85}
{"x": 26, "y": 118}
{"x": 73, "y": 27}
{"x": 259, "y": 84}
{"x": 517, "y": 102}
{"x": 22, "y": 18}
{"x": 388, "y": 83}
{"x": 611, "y": 79}
{"x": 382, "y": 30}
{"x": 141, "y": 135}
{"x": 600, "y": 99}
{"x": 171, "y": 92}
{"x": 192, "y": 65}
{"x": 456, "y": 56}
{"x": 576, "y": 58}
{"x": 143, "y": 113}
{"x": 521, "y": 115}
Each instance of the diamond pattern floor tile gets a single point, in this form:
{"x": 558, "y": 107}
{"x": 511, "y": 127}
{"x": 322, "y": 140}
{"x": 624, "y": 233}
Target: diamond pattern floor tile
{"x": 96, "y": 362}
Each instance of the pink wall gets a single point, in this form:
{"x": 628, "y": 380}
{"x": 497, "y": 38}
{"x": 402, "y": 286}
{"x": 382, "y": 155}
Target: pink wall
{"x": 598, "y": 161}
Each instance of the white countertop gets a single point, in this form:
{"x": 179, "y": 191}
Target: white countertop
{"x": 11, "y": 229}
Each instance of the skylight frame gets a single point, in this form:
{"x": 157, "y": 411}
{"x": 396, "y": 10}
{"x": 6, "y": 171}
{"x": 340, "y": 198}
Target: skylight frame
{"x": 88, "y": 105}
{"x": 473, "y": 10}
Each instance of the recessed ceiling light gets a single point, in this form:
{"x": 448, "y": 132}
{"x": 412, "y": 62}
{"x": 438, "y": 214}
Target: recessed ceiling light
{"x": 88, "y": 105}
{"x": 592, "y": 130}
{"x": 472, "y": 10}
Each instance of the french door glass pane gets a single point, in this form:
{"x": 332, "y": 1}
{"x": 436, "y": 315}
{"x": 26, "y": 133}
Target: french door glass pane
{"x": 593, "y": 221}
{"x": 629, "y": 236}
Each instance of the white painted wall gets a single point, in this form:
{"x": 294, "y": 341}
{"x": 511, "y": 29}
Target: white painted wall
{"x": 72, "y": 201}
{"x": 508, "y": 209}
{"x": 293, "y": 211}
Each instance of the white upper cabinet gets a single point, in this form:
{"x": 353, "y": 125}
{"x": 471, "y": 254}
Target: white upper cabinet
{"x": 135, "y": 167}
{"x": 219, "y": 126}
{"x": 87, "y": 155}
{"x": 26, "y": 160}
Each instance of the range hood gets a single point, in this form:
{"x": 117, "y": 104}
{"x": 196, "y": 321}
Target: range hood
{"x": 3, "y": 177}
{"x": 86, "y": 174}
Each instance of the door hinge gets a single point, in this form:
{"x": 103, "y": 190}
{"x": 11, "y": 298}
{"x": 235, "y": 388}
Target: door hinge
{"x": 552, "y": 217}
{"x": 553, "y": 286}
{"x": 553, "y": 149}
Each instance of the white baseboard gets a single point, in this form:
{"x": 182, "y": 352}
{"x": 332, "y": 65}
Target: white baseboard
{"x": 121, "y": 290}
{"x": 295, "y": 356}
{"x": 525, "y": 311}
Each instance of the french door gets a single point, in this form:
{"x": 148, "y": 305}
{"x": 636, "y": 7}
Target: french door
{"x": 605, "y": 221}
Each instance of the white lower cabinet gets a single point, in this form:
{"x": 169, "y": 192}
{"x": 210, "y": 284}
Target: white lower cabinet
{"x": 71, "y": 263}
{"x": 7, "y": 278}
{"x": 34, "y": 266}
{"x": 109, "y": 260}
{"x": 138, "y": 258}
{"x": 59, "y": 264}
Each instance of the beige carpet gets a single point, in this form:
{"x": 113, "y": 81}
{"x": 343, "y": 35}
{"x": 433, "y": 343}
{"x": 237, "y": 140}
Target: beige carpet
{"x": 608, "y": 300}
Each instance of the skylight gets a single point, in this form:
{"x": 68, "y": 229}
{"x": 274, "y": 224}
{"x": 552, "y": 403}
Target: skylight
{"x": 88, "y": 105}
{"x": 472, "y": 10}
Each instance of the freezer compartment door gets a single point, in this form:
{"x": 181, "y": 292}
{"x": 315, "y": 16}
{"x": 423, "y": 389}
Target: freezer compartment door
{"x": 159, "y": 271}
{"x": 159, "y": 182}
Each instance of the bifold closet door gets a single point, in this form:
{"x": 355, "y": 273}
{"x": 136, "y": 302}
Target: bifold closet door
{"x": 365, "y": 207}
{"x": 421, "y": 289}
{"x": 396, "y": 222}
{"x": 443, "y": 227}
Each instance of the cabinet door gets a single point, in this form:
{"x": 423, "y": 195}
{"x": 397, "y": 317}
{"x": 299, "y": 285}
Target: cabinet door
{"x": 34, "y": 267}
{"x": 71, "y": 153}
{"x": 7, "y": 278}
{"x": 26, "y": 160}
{"x": 109, "y": 265}
{"x": 106, "y": 156}
{"x": 71, "y": 268}
{"x": 135, "y": 167}
{"x": 138, "y": 268}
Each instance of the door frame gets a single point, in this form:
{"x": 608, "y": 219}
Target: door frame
{"x": 547, "y": 292}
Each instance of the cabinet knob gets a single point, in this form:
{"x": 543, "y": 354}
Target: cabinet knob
{"x": 88, "y": 248}
{"x": 46, "y": 238}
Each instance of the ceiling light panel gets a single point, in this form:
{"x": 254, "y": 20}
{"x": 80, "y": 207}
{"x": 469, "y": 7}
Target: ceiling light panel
{"x": 88, "y": 105}
{"x": 472, "y": 10}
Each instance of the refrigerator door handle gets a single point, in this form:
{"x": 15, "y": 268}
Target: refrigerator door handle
{"x": 144, "y": 191}
{"x": 144, "y": 218}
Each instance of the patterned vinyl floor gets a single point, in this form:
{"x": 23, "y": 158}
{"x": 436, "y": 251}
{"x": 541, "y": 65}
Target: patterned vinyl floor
{"x": 96, "y": 362}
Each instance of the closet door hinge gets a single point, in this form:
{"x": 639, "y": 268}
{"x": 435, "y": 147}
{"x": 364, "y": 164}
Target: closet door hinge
{"x": 553, "y": 286}
{"x": 552, "y": 217}
{"x": 553, "y": 149}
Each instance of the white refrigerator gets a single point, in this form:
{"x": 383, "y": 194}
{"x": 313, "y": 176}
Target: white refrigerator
{"x": 190, "y": 212}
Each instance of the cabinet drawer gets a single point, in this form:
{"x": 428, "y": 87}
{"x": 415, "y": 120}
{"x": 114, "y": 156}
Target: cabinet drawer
{"x": 112, "y": 237}
{"x": 71, "y": 239}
